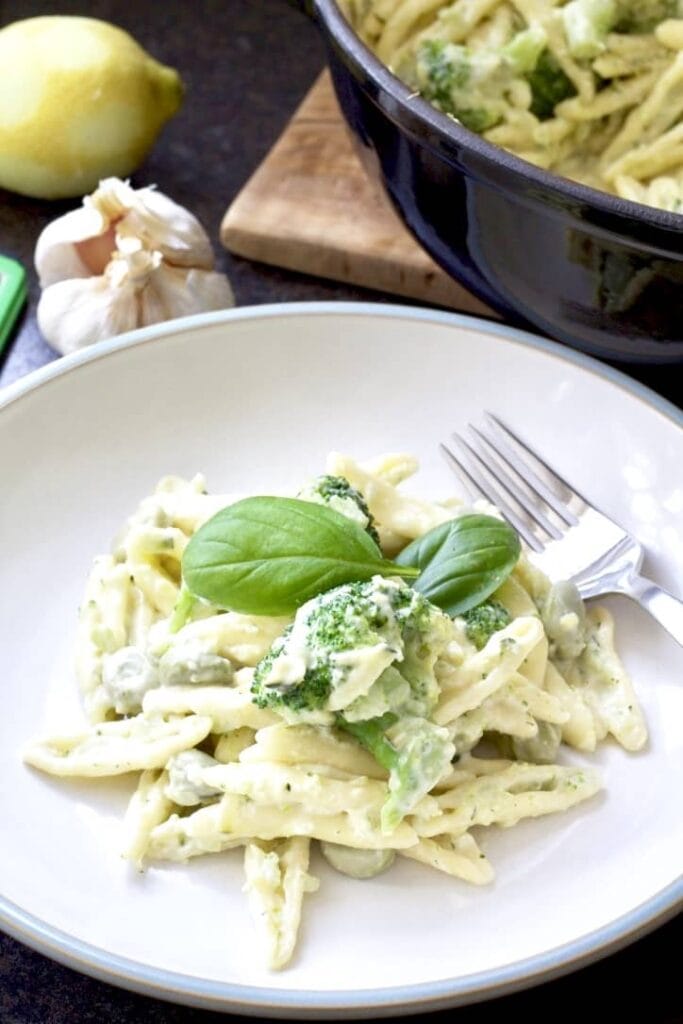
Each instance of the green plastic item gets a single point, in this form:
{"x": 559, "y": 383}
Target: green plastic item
{"x": 12, "y": 296}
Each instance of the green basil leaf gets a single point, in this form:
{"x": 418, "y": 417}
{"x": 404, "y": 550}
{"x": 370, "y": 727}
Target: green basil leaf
{"x": 462, "y": 561}
{"x": 267, "y": 556}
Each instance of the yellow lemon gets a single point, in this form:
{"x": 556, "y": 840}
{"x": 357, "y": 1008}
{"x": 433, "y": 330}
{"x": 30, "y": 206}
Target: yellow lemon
{"x": 80, "y": 100}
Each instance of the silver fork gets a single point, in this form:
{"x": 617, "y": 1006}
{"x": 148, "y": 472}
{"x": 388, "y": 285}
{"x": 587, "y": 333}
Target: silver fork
{"x": 569, "y": 538}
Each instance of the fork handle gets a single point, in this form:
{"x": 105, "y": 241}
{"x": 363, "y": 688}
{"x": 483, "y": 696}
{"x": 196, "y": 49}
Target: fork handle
{"x": 661, "y": 605}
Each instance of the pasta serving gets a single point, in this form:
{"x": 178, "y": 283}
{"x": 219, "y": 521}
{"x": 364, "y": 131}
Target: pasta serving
{"x": 370, "y": 720}
{"x": 590, "y": 89}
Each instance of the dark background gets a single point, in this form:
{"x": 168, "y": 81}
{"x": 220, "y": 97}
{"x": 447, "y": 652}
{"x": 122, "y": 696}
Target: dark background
{"x": 246, "y": 65}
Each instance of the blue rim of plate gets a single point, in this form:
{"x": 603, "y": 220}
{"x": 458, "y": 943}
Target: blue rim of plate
{"x": 249, "y": 999}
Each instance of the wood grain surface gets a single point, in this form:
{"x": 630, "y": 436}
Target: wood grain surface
{"x": 310, "y": 207}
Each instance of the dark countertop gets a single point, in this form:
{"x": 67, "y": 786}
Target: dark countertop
{"x": 246, "y": 66}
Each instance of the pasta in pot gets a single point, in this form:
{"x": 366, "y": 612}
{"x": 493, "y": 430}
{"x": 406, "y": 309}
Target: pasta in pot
{"x": 220, "y": 770}
{"x": 589, "y": 89}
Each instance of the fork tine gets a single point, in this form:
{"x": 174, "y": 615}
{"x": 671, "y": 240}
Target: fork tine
{"x": 526, "y": 517}
{"x": 528, "y": 504}
{"x": 460, "y": 471}
{"x": 527, "y": 472}
{"x": 481, "y": 485}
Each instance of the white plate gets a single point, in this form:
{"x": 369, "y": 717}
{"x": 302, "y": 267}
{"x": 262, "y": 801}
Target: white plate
{"x": 255, "y": 398}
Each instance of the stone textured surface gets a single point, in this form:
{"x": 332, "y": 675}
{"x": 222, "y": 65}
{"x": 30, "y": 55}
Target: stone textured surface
{"x": 247, "y": 64}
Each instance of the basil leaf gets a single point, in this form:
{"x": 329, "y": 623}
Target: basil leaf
{"x": 267, "y": 556}
{"x": 462, "y": 561}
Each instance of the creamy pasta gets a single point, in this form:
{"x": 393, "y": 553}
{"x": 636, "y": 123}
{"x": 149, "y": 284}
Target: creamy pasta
{"x": 589, "y": 89}
{"x": 217, "y": 772}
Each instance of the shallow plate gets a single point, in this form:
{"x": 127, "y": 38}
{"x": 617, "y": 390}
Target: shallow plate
{"x": 255, "y": 398}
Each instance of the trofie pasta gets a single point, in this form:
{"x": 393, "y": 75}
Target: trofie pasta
{"x": 590, "y": 89}
{"x": 468, "y": 715}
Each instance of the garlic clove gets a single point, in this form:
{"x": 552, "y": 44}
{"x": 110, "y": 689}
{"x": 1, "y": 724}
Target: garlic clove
{"x": 96, "y": 252}
{"x": 168, "y": 227}
{"x": 176, "y": 291}
{"x": 76, "y": 313}
{"x": 133, "y": 269}
{"x": 154, "y": 218}
{"x": 57, "y": 256}
{"x": 68, "y": 247}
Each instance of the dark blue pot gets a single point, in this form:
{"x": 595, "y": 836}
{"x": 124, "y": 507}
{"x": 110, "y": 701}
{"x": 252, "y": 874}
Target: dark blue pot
{"x": 597, "y": 272}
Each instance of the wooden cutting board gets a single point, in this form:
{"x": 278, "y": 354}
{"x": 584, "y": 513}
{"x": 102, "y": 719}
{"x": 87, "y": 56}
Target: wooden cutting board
{"x": 310, "y": 207}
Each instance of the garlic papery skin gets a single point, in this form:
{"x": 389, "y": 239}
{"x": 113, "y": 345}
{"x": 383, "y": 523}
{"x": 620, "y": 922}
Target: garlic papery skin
{"x": 57, "y": 256}
{"x": 126, "y": 258}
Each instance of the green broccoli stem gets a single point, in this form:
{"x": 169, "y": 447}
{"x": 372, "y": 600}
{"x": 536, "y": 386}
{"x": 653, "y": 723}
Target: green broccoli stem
{"x": 370, "y": 734}
{"x": 414, "y": 765}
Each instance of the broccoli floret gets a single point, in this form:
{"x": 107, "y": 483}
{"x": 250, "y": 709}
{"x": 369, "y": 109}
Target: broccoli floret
{"x": 408, "y": 686}
{"x": 586, "y": 24}
{"x": 472, "y": 85}
{"x": 634, "y": 16}
{"x": 391, "y": 692}
{"x": 468, "y": 84}
{"x": 549, "y": 86}
{"x": 339, "y": 644}
{"x": 308, "y": 694}
{"x": 362, "y": 656}
{"x": 414, "y": 751}
{"x": 337, "y": 493}
{"x": 485, "y": 620}
{"x": 442, "y": 69}
{"x": 478, "y": 119}
{"x": 425, "y": 632}
{"x": 524, "y": 49}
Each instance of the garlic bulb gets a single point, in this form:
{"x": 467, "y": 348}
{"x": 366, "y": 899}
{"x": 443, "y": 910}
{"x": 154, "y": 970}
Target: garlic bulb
{"x": 127, "y": 257}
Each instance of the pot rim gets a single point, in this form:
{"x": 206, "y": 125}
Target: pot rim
{"x": 428, "y": 119}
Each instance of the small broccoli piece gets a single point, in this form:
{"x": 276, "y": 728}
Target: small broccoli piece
{"x": 478, "y": 119}
{"x": 524, "y": 49}
{"x": 362, "y": 657}
{"x": 586, "y": 24}
{"x": 414, "y": 751}
{"x": 465, "y": 83}
{"x": 483, "y": 621}
{"x": 338, "y": 644}
{"x": 391, "y": 692}
{"x": 337, "y": 493}
{"x": 372, "y": 735}
{"x": 637, "y": 16}
{"x": 425, "y": 630}
{"x": 549, "y": 86}
{"x": 339, "y": 647}
{"x": 442, "y": 69}
{"x": 307, "y": 694}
